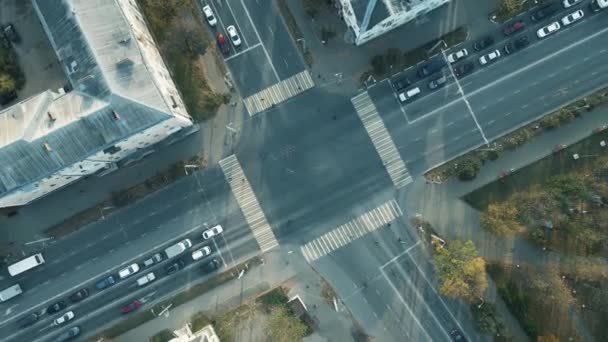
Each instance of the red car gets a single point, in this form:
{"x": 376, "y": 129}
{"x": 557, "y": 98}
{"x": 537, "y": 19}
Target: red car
{"x": 131, "y": 306}
{"x": 221, "y": 43}
{"x": 514, "y": 27}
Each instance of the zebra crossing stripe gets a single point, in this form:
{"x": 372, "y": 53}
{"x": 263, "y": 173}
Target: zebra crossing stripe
{"x": 278, "y": 92}
{"x": 381, "y": 140}
{"x": 241, "y": 189}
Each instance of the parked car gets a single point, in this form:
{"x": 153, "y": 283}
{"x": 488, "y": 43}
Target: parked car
{"x": 464, "y": 69}
{"x": 128, "y": 271}
{"x": 105, "y": 282}
{"x": 438, "y": 82}
{"x": 69, "y": 334}
{"x": 211, "y": 266}
{"x": 130, "y": 306}
{"x": 544, "y": 12}
{"x": 458, "y": 55}
{"x": 79, "y": 295}
{"x": 400, "y": 83}
{"x": 431, "y": 67}
{"x": 10, "y": 33}
{"x": 570, "y": 3}
{"x": 201, "y": 253}
{"x": 60, "y": 305}
{"x": 221, "y": 43}
{"x": 513, "y": 27}
{"x": 573, "y": 17}
{"x": 483, "y": 43}
{"x": 28, "y": 320}
{"x": 209, "y": 15}
{"x": 176, "y": 266}
{"x": 407, "y": 96}
{"x": 147, "y": 279}
{"x": 516, "y": 44}
{"x": 547, "y": 30}
{"x": 490, "y": 57}
{"x": 156, "y": 258}
{"x": 457, "y": 336}
{"x": 211, "y": 232}
{"x": 64, "y": 318}
{"x": 234, "y": 36}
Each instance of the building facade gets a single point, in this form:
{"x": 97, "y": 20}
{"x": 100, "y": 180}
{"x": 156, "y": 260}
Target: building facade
{"x": 369, "y": 19}
{"x": 122, "y": 102}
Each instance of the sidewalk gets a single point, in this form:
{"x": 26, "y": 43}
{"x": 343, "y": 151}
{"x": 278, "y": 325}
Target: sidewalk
{"x": 280, "y": 267}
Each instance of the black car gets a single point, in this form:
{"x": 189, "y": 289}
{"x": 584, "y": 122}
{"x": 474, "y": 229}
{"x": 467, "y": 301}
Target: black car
{"x": 483, "y": 43}
{"x": 176, "y": 266}
{"x": 211, "y": 266}
{"x": 544, "y": 11}
{"x": 60, "y": 305}
{"x": 438, "y": 82}
{"x": 457, "y": 336}
{"x": 401, "y": 83}
{"x": 9, "y": 32}
{"x": 28, "y": 320}
{"x": 68, "y": 335}
{"x": 516, "y": 44}
{"x": 79, "y": 295}
{"x": 463, "y": 69}
{"x": 431, "y": 67}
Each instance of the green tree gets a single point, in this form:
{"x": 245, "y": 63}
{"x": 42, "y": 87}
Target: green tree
{"x": 7, "y": 84}
{"x": 468, "y": 168}
{"x": 461, "y": 271}
{"x": 283, "y": 326}
{"x": 501, "y": 218}
{"x": 568, "y": 187}
{"x": 393, "y": 57}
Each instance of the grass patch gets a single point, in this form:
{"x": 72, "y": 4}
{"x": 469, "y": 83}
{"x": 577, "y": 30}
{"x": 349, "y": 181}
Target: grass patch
{"x": 394, "y": 59}
{"x": 198, "y": 321}
{"x": 165, "y": 335}
{"x": 519, "y": 137}
{"x": 294, "y": 30}
{"x": 122, "y": 198}
{"x": 182, "y": 39}
{"x": 177, "y": 300}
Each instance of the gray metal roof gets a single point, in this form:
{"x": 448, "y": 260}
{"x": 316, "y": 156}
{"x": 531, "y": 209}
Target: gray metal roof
{"x": 95, "y": 44}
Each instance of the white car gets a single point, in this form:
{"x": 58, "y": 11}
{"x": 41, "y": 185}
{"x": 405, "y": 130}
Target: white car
{"x": 64, "y": 318}
{"x": 129, "y": 271}
{"x": 570, "y": 3}
{"x": 491, "y": 57}
{"x": 547, "y": 30}
{"x": 458, "y": 55}
{"x": 209, "y": 233}
{"x": 573, "y": 17}
{"x": 148, "y": 278}
{"x": 209, "y": 15}
{"x": 234, "y": 36}
{"x": 201, "y": 253}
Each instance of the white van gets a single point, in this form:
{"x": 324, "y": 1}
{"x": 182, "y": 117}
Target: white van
{"x": 408, "y": 95}
{"x": 10, "y": 292}
{"x": 26, "y": 264}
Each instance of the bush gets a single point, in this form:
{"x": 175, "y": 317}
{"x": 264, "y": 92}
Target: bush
{"x": 486, "y": 319}
{"x": 276, "y": 297}
{"x": 468, "y": 168}
{"x": 550, "y": 121}
{"x": 163, "y": 336}
{"x": 198, "y": 321}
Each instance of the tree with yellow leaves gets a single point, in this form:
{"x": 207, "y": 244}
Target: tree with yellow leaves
{"x": 501, "y": 218}
{"x": 462, "y": 273}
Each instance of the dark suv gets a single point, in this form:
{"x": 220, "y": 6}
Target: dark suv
{"x": 28, "y": 320}
{"x": 176, "y": 266}
{"x": 544, "y": 11}
{"x": 463, "y": 69}
{"x": 79, "y": 295}
{"x": 483, "y": 43}
{"x": 400, "y": 83}
{"x": 431, "y": 67}
{"x": 211, "y": 266}
{"x": 516, "y": 45}
{"x": 60, "y": 305}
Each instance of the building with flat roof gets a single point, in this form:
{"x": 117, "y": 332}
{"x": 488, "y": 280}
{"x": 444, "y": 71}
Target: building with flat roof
{"x": 121, "y": 103}
{"x": 369, "y": 19}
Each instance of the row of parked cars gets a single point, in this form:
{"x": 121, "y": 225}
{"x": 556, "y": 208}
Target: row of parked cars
{"x": 462, "y": 69}
{"x": 221, "y": 40}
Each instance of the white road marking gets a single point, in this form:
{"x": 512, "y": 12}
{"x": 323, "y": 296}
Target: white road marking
{"x": 260, "y": 40}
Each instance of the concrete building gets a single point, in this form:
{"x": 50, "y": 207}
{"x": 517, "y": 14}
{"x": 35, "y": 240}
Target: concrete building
{"x": 185, "y": 334}
{"x": 123, "y": 102}
{"x": 368, "y": 19}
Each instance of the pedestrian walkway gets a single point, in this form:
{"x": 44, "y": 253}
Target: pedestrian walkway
{"x": 278, "y": 92}
{"x": 382, "y": 140}
{"x": 248, "y": 203}
{"x": 350, "y": 231}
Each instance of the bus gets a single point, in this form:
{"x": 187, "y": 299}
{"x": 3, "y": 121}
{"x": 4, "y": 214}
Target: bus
{"x": 26, "y": 264}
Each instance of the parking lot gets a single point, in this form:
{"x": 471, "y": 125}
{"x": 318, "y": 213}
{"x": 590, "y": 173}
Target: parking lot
{"x": 36, "y": 55}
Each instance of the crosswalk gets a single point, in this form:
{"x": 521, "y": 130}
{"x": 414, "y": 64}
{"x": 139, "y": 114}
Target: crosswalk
{"x": 382, "y": 140}
{"x": 248, "y": 203}
{"x": 278, "y": 92}
{"x": 350, "y": 231}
